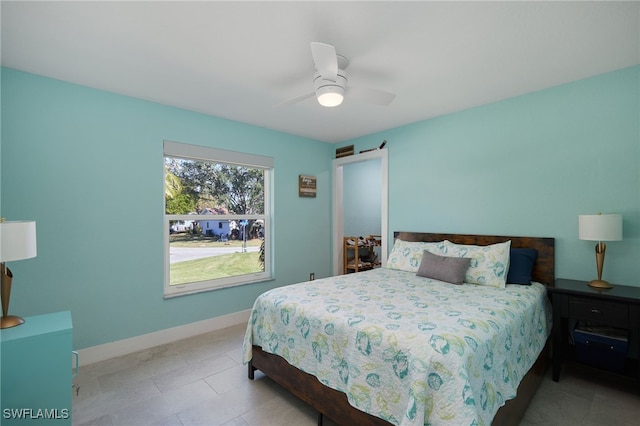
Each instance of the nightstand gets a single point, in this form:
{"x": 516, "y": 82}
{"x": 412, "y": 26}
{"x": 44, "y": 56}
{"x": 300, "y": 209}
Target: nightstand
{"x": 575, "y": 302}
{"x": 36, "y": 371}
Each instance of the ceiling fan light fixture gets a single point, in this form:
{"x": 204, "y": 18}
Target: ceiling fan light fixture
{"x": 330, "y": 93}
{"x": 330, "y": 96}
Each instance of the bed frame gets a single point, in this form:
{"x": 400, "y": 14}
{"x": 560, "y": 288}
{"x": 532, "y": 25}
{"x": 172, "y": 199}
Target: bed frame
{"x": 334, "y": 404}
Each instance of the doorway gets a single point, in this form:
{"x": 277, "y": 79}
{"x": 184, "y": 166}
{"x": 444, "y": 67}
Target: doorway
{"x": 339, "y": 183}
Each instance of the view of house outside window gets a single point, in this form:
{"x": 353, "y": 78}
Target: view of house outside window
{"x": 216, "y": 218}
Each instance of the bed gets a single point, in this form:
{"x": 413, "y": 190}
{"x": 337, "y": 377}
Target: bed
{"x": 416, "y": 357}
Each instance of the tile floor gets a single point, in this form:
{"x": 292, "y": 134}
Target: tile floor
{"x": 202, "y": 381}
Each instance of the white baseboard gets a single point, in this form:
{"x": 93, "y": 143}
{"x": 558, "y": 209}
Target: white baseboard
{"x": 146, "y": 341}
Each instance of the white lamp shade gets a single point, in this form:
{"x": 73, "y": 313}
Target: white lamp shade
{"x": 17, "y": 240}
{"x": 600, "y": 227}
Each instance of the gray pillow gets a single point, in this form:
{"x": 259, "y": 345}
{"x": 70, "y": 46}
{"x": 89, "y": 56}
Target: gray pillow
{"x": 443, "y": 268}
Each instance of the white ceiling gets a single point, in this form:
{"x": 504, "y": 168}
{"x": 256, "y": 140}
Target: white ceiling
{"x": 238, "y": 59}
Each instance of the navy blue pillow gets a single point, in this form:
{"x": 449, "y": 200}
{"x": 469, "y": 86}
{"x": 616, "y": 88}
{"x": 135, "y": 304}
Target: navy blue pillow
{"x": 521, "y": 261}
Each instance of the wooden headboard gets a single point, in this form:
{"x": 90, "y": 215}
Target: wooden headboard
{"x": 543, "y": 270}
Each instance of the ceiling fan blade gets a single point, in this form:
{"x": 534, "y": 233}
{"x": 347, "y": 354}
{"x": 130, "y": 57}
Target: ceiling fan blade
{"x": 372, "y": 96}
{"x": 292, "y": 101}
{"x": 325, "y": 60}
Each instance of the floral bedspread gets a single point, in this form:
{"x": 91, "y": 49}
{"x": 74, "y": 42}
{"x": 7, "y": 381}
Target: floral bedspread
{"x": 407, "y": 349}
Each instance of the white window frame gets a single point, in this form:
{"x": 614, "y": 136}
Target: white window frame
{"x": 214, "y": 155}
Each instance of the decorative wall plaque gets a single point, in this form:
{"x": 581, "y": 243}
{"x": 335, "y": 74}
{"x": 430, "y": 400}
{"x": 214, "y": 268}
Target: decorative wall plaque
{"x": 307, "y": 186}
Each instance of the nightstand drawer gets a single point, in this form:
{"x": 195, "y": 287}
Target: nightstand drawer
{"x": 612, "y": 313}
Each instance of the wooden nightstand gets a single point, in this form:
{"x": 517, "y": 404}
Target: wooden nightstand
{"x": 574, "y": 301}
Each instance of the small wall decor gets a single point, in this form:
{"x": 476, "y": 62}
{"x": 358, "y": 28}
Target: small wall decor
{"x": 307, "y": 186}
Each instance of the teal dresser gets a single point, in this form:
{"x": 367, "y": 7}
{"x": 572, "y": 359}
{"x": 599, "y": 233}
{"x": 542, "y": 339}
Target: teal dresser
{"x": 36, "y": 371}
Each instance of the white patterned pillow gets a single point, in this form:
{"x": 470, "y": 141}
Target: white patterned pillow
{"x": 489, "y": 264}
{"x": 407, "y": 255}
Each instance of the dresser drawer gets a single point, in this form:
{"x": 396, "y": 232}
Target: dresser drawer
{"x": 612, "y": 313}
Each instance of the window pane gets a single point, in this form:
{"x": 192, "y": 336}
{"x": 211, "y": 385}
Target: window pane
{"x": 217, "y": 249}
{"x": 192, "y": 185}
{"x": 216, "y": 216}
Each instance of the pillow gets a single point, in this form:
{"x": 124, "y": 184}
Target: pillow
{"x": 521, "y": 263}
{"x": 488, "y": 264}
{"x": 443, "y": 268}
{"x": 406, "y": 255}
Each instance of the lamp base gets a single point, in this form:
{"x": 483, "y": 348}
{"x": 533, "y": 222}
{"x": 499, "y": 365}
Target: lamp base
{"x": 599, "y": 284}
{"x": 10, "y": 321}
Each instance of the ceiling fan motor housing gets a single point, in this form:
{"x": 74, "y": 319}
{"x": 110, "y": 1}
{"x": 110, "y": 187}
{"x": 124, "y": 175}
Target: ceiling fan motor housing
{"x": 329, "y": 92}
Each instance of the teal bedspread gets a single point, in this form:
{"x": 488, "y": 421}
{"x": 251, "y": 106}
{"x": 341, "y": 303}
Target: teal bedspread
{"x": 407, "y": 349}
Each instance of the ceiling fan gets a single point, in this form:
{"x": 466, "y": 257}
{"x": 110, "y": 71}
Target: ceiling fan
{"x": 330, "y": 81}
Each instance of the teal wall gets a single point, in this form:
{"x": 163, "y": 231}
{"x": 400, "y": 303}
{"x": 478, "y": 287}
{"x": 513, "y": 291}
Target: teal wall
{"x": 528, "y": 165}
{"x": 87, "y": 166}
{"x": 361, "y": 201}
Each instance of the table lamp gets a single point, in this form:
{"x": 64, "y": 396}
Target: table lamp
{"x": 600, "y": 227}
{"x": 17, "y": 242}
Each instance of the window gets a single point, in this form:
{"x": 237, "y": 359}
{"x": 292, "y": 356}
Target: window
{"x": 217, "y": 218}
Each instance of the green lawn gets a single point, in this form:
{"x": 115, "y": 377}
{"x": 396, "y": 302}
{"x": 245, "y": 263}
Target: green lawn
{"x": 214, "y": 267}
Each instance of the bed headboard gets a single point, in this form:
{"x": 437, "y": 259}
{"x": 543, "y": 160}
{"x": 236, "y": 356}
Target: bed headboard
{"x": 543, "y": 270}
